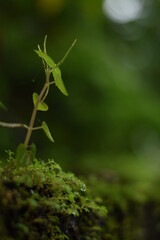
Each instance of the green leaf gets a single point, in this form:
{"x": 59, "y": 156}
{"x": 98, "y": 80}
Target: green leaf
{"x": 23, "y": 157}
{"x": 3, "y": 106}
{"x": 47, "y": 131}
{"x": 55, "y": 71}
{"x": 33, "y": 148}
{"x": 42, "y": 106}
{"x": 21, "y": 154}
{"x": 46, "y": 58}
{"x": 58, "y": 80}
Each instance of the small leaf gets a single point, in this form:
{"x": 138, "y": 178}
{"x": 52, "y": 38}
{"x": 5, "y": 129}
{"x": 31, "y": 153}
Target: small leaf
{"x": 42, "y": 106}
{"x": 23, "y": 156}
{"x": 46, "y": 58}
{"x": 58, "y": 80}
{"x": 3, "y": 106}
{"x": 33, "y": 149}
{"x": 47, "y": 131}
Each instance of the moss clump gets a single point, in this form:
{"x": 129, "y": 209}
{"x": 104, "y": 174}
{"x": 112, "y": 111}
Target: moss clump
{"x": 43, "y": 202}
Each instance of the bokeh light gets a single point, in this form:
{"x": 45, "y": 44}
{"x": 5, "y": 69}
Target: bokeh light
{"x": 123, "y": 11}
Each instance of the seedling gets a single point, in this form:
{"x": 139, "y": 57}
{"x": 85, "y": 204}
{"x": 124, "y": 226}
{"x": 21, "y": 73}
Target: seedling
{"x": 26, "y": 153}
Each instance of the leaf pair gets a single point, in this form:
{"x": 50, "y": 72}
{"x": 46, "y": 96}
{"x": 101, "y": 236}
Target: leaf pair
{"x": 56, "y": 72}
{"x": 25, "y": 157}
{"x": 42, "y": 106}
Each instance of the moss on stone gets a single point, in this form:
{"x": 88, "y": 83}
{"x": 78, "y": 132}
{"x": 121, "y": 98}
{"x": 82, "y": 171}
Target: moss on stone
{"x": 43, "y": 202}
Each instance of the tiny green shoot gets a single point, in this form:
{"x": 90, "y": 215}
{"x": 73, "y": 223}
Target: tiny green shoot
{"x": 24, "y": 155}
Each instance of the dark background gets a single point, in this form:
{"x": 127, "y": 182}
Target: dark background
{"x": 111, "y": 118}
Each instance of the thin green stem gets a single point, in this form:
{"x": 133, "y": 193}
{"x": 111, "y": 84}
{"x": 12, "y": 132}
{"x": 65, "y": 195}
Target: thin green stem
{"x": 44, "y": 45}
{"x": 53, "y": 82}
{"x": 65, "y": 56}
{"x": 36, "y": 128}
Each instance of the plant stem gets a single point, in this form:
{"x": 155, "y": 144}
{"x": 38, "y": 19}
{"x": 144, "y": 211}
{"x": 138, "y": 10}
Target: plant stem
{"x": 65, "y": 56}
{"x": 34, "y": 113}
{"x": 17, "y": 125}
{"x": 13, "y": 125}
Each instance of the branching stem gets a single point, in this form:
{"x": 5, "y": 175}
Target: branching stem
{"x": 34, "y": 112}
{"x": 41, "y": 97}
{"x": 17, "y": 125}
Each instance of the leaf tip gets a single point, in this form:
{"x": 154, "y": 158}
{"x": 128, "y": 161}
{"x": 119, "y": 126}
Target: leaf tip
{"x": 47, "y": 131}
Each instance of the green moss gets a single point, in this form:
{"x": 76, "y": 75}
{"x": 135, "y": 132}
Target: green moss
{"x": 43, "y": 202}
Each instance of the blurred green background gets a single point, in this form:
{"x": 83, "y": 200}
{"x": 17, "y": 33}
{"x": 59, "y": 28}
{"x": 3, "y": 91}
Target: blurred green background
{"x": 111, "y": 118}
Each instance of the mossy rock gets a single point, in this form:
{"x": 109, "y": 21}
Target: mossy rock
{"x": 43, "y": 202}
